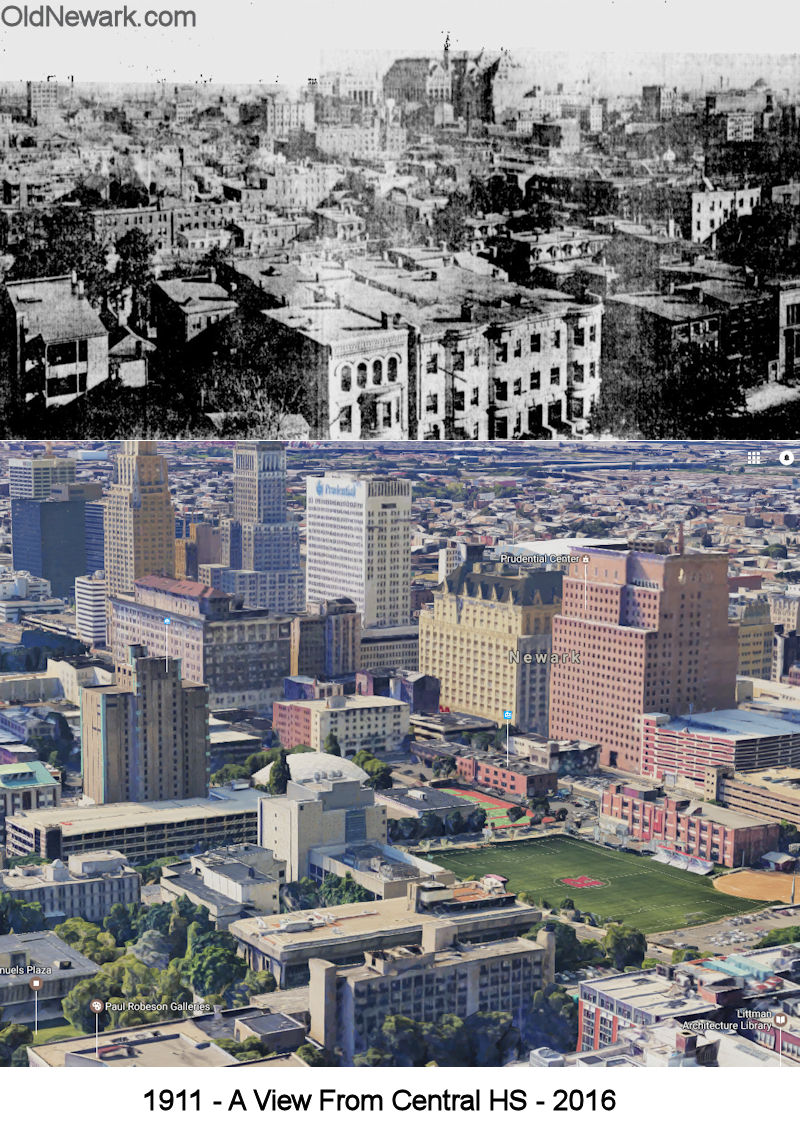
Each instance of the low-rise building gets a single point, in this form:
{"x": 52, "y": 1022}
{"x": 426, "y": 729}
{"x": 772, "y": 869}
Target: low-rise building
{"x": 59, "y": 967}
{"x": 376, "y": 723}
{"x": 232, "y": 883}
{"x": 88, "y": 885}
{"x": 25, "y": 786}
{"x": 141, "y": 831}
{"x": 696, "y": 829}
{"x": 745, "y": 739}
{"x": 773, "y": 794}
{"x": 55, "y": 345}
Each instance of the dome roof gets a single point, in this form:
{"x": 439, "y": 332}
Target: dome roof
{"x": 305, "y": 765}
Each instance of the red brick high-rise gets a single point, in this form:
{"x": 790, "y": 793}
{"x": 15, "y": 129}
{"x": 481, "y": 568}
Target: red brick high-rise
{"x": 652, "y": 635}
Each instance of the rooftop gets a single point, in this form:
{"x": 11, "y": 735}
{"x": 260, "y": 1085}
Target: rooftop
{"x": 54, "y": 309}
{"x": 75, "y": 820}
{"x": 676, "y": 308}
{"x": 732, "y": 723}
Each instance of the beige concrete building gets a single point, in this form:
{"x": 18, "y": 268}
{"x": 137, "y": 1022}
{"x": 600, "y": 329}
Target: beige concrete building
{"x": 482, "y": 636}
{"x": 143, "y": 831}
{"x": 145, "y": 738}
{"x": 773, "y": 794}
{"x": 756, "y": 631}
{"x": 35, "y": 476}
{"x": 375, "y": 723}
{"x": 285, "y": 944}
{"x": 318, "y": 812}
{"x": 139, "y": 519}
{"x": 229, "y": 882}
{"x": 88, "y": 885}
{"x": 437, "y": 978}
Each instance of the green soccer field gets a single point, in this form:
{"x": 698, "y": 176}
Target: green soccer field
{"x": 632, "y": 888}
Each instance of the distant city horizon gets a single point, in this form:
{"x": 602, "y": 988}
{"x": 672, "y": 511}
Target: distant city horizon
{"x": 605, "y": 72}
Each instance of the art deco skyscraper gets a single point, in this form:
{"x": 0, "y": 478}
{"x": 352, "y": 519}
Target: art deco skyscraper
{"x": 260, "y": 545}
{"x": 139, "y": 519}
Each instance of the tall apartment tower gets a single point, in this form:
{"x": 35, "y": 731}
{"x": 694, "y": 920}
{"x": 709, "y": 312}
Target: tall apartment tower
{"x": 260, "y": 546}
{"x": 358, "y": 545}
{"x": 145, "y": 738}
{"x": 139, "y": 520}
{"x": 650, "y": 634}
{"x": 35, "y": 476}
{"x": 481, "y": 636}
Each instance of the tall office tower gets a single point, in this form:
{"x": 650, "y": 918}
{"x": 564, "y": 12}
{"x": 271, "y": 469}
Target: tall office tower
{"x": 259, "y": 545}
{"x": 326, "y": 642}
{"x": 358, "y": 544}
{"x": 146, "y": 737}
{"x": 650, "y": 634}
{"x": 481, "y": 636}
{"x": 90, "y": 608}
{"x": 36, "y": 476}
{"x": 139, "y": 520}
{"x": 95, "y": 536}
{"x": 48, "y": 539}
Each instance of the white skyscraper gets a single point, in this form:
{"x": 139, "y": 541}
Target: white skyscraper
{"x": 90, "y": 608}
{"x": 358, "y": 544}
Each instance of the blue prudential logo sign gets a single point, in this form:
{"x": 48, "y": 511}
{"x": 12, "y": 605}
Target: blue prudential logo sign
{"x": 507, "y": 714}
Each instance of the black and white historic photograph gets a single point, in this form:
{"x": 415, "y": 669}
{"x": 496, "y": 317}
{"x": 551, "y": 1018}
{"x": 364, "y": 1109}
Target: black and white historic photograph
{"x": 448, "y": 245}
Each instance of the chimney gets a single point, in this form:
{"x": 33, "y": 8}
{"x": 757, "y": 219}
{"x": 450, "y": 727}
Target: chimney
{"x": 467, "y": 311}
{"x": 73, "y": 277}
{"x": 81, "y": 288}
{"x": 212, "y": 275}
{"x": 680, "y": 538}
{"x": 384, "y": 319}
{"x": 686, "y": 1042}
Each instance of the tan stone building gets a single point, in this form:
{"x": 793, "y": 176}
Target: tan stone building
{"x": 146, "y": 737}
{"x": 756, "y": 632}
{"x": 138, "y": 520}
{"x": 481, "y": 638}
{"x": 425, "y": 982}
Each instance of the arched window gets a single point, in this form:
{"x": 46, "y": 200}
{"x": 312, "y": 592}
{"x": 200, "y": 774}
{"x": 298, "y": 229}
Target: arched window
{"x": 392, "y": 370}
{"x": 361, "y": 375}
{"x": 377, "y": 372}
{"x": 347, "y": 375}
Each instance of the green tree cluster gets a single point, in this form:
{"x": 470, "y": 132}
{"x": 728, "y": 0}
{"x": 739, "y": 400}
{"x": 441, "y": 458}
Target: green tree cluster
{"x": 482, "y": 1039}
{"x": 20, "y": 917}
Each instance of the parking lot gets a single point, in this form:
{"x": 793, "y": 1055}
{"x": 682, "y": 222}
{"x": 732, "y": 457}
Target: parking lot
{"x": 740, "y": 932}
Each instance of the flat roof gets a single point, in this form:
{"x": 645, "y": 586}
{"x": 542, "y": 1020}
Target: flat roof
{"x": 676, "y": 308}
{"x": 351, "y": 920}
{"x": 181, "y": 1044}
{"x": 352, "y": 701}
{"x": 650, "y": 993}
{"x": 733, "y": 723}
{"x": 433, "y": 799}
{"x": 74, "y": 820}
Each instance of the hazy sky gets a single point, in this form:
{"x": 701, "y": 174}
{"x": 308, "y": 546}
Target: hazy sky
{"x": 614, "y": 72}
